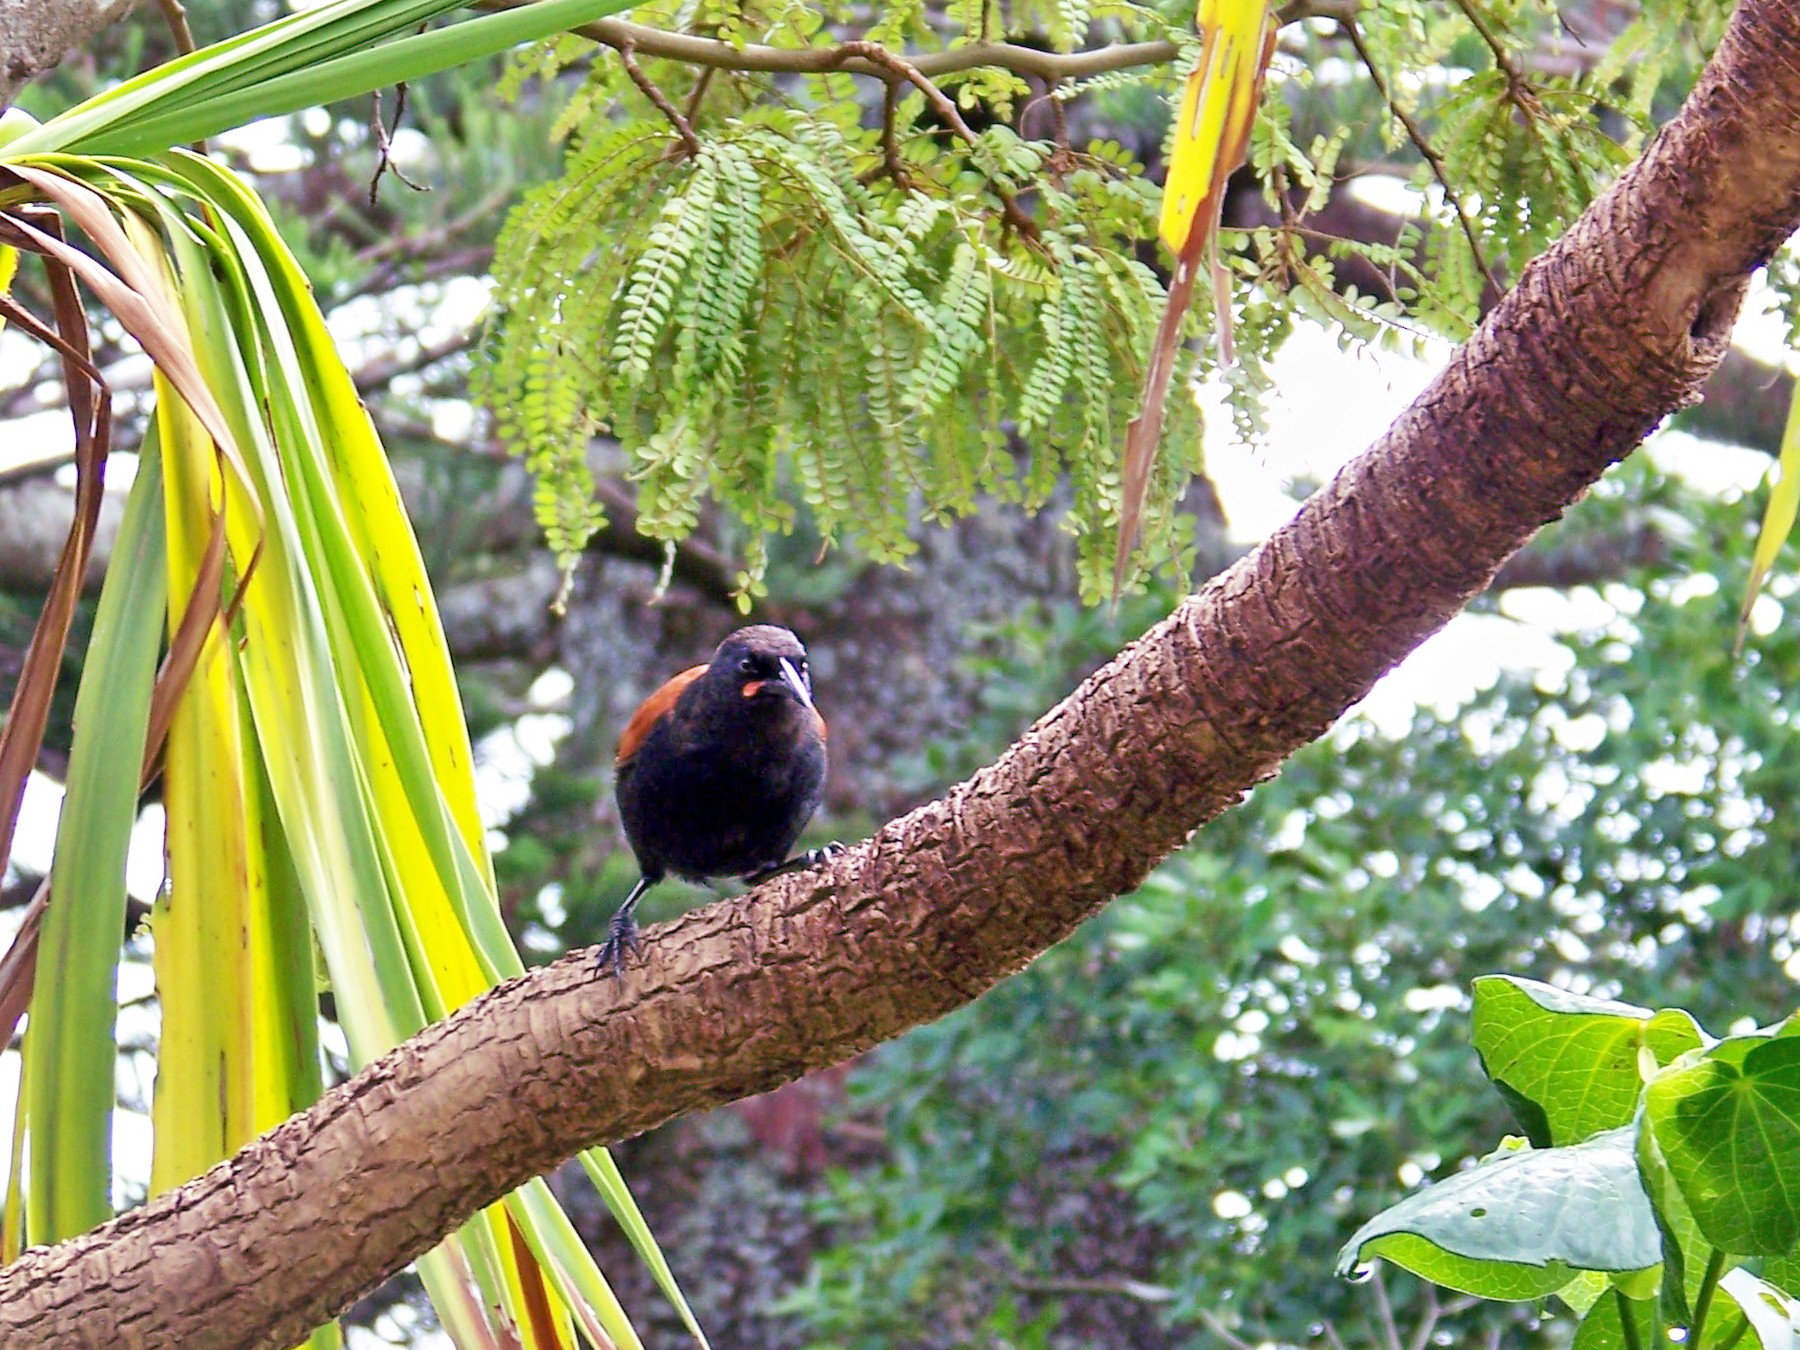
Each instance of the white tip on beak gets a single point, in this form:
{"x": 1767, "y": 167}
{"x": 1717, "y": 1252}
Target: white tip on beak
{"x": 795, "y": 681}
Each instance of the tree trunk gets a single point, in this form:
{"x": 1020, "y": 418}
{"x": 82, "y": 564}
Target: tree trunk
{"x": 35, "y": 36}
{"x": 1615, "y": 327}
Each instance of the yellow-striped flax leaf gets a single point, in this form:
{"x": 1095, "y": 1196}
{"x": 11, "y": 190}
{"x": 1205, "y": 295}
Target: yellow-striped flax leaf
{"x": 1212, "y": 131}
{"x": 328, "y": 728}
{"x": 1778, "y": 515}
{"x": 1218, "y": 106}
{"x": 205, "y": 1104}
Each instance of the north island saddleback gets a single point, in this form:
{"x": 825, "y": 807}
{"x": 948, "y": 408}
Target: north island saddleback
{"x": 718, "y": 772}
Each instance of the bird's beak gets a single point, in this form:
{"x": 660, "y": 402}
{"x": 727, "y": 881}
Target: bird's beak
{"x": 793, "y": 680}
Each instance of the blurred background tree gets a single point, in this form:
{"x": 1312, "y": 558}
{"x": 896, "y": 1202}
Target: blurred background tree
{"x": 1160, "y": 1134}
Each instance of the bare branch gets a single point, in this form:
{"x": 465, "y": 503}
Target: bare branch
{"x": 383, "y": 370}
{"x": 891, "y": 163}
{"x": 384, "y": 143}
{"x": 1416, "y": 135}
{"x": 502, "y": 616}
{"x": 1517, "y": 85}
{"x": 1021, "y": 60}
{"x": 896, "y": 68}
{"x": 1216, "y": 1325}
{"x": 175, "y": 16}
{"x": 1389, "y": 1331}
{"x": 35, "y": 36}
{"x": 700, "y": 51}
{"x": 1123, "y": 1286}
{"x": 648, "y": 88}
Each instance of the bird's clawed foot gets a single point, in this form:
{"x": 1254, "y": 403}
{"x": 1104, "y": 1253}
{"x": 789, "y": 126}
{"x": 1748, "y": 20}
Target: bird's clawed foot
{"x": 811, "y": 858}
{"x": 621, "y": 937}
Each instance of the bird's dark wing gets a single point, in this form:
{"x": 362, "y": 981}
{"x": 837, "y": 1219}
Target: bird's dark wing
{"x": 651, "y": 711}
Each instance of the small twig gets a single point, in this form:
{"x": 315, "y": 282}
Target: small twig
{"x": 1428, "y": 1321}
{"x": 380, "y": 371}
{"x": 1063, "y": 157}
{"x": 647, "y": 87}
{"x": 1218, "y": 1328}
{"x": 1122, "y": 1285}
{"x": 1335, "y": 1341}
{"x": 1433, "y": 1312}
{"x": 1386, "y": 1310}
{"x": 697, "y": 93}
{"x": 175, "y": 15}
{"x": 418, "y": 265}
{"x": 384, "y": 144}
{"x": 945, "y": 107}
{"x": 697, "y": 562}
{"x": 1518, "y": 87}
{"x": 1563, "y": 22}
{"x": 1023, "y": 121}
{"x": 891, "y": 163}
{"x": 1278, "y": 180}
{"x": 1417, "y": 136}
{"x": 1057, "y": 165}
{"x": 405, "y": 246}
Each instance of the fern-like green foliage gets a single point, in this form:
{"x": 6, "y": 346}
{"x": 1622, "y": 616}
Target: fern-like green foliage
{"x": 826, "y": 306}
{"x": 785, "y": 321}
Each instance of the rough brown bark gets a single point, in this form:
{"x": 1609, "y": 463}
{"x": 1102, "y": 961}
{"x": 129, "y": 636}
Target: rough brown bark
{"x": 35, "y": 35}
{"x": 1616, "y": 326}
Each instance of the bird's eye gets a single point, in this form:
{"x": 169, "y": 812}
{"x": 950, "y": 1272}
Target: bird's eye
{"x": 747, "y": 666}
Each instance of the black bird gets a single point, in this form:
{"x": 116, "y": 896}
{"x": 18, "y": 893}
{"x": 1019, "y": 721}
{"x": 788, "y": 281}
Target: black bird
{"x": 719, "y": 770}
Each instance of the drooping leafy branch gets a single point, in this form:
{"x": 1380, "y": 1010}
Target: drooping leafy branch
{"x": 792, "y": 296}
{"x": 804, "y": 314}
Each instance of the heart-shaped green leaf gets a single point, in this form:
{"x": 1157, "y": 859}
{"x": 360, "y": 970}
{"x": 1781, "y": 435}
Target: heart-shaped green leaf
{"x": 1728, "y": 1125}
{"x": 1522, "y": 1225}
{"x": 1569, "y": 1065}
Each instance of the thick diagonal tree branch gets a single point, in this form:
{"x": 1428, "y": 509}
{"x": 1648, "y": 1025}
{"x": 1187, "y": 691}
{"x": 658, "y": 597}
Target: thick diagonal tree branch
{"x": 35, "y": 37}
{"x": 1615, "y": 327}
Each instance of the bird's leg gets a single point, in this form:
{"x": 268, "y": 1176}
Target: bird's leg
{"x": 622, "y": 932}
{"x": 811, "y": 858}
